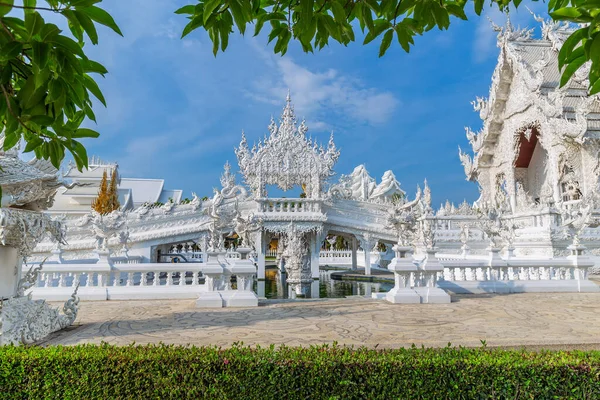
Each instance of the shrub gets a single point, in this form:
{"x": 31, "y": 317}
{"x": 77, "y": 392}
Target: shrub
{"x": 320, "y": 372}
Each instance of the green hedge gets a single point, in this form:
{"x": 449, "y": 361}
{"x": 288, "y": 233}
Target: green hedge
{"x": 170, "y": 372}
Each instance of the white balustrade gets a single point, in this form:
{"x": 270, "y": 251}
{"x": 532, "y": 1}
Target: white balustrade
{"x": 122, "y": 281}
{"x": 127, "y": 281}
{"x": 517, "y": 275}
{"x": 283, "y": 205}
{"x": 271, "y": 253}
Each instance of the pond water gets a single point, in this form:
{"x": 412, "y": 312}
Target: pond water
{"x": 275, "y": 286}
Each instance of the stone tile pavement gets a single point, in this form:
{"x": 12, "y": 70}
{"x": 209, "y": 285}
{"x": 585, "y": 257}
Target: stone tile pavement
{"x": 563, "y": 320}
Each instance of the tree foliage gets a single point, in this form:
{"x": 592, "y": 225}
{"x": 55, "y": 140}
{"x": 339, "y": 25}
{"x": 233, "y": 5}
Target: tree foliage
{"x": 46, "y": 86}
{"x": 108, "y": 196}
{"x": 313, "y": 23}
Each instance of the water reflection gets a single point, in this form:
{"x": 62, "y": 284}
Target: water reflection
{"x": 275, "y": 287}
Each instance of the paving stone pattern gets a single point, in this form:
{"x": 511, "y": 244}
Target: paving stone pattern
{"x": 545, "y": 319}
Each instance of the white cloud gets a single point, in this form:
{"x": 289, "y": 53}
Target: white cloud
{"x": 318, "y": 93}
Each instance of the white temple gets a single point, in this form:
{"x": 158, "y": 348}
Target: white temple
{"x": 534, "y": 227}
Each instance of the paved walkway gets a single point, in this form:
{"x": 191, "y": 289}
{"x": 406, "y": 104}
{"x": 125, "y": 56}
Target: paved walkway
{"x": 501, "y": 320}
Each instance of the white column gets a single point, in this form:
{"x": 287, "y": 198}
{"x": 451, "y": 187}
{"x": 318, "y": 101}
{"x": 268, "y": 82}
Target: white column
{"x": 354, "y": 248}
{"x": 260, "y": 258}
{"x": 314, "y": 255}
{"x": 367, "y": 243}
{"x": 367, "y": 260}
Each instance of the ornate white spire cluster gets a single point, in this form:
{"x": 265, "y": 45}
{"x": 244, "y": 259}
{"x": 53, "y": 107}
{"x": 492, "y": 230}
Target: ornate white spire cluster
{"x": 287, "y": 158}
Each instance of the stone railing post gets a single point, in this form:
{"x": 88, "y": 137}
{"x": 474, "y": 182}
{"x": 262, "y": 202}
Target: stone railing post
{"x": 244, "y": 270}
{"x": 402, "y": 266}
{"x": 213, "y": 272}
{"x": 431, "y": 292}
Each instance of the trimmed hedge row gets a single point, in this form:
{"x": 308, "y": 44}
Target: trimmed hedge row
{"x": 323, "y": 372}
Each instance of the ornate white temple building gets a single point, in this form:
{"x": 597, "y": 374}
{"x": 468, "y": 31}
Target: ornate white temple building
{"x": 534, "y": 227}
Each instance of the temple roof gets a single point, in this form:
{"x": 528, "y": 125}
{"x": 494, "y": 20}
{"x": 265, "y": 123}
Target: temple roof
{"x": 526, "y": 90}
{"x": 286, "y": 157}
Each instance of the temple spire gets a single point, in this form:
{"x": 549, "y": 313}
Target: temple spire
{"x": 288, "y": 118}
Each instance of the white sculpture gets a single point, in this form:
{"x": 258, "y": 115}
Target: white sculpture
{"x": 27, "y": 188}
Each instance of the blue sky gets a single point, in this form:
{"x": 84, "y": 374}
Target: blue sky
{"x": 176, "y": 112}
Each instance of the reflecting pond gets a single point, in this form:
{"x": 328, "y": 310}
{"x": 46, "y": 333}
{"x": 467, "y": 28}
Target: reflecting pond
{"x": 275, "y": 286}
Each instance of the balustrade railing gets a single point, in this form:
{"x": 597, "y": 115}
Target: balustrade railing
{"x": 122, "y": 281}
{"x": 283, "y": 205}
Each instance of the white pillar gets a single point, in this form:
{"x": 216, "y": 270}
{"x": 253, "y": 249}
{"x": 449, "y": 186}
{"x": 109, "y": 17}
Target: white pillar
{"x": 260, "y": 255}
{"x": 314, "y": 255}
{"x": 354, "y": 248}
{"x": 367, "y": 251}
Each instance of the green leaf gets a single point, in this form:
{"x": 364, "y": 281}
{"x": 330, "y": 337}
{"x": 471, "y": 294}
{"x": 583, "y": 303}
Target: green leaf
{"x": 238, "y": 14}
{"x": 195, "y": 23}
{"x": 33, "y": 143}
{"x": 368, "y": 18}
{"x": 571, "y": 68}
{"x": 92, "y": 86}
{"x": 595, "y": 49}
{"x": 42, "y": 120}
{"x": 379, "y": 26}
{"x": 85, "y": 133}
{"x": 10, "y": 140}
{"x": 568, "y": 13}
{"x": 102, "y": 17}
{"x": 306, "y": 7}
{"x": 88, "y": 26}
{"x": 33, "y": 23}
{"x": 189, "y": 9}
{"x": 93, "y": 66}
{"x": 569, "y": 45}
{"x": 40, "y": 53}
{"x": 11, "y": 50}
{"x": 5, "y": 9}
{"x": 338, "y": 12}
{"x": 209, "y": 7}
{"x": 595, "y": 87}
{"x": 479, "y": 6}
{"x": 385, "y": 43}
{"x": 457, "y": 11}
{"x": 69, "y": 44}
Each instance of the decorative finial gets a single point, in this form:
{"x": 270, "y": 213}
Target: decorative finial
{"x": 289, "y": 97}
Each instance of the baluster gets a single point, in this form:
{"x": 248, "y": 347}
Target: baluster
{"x": 144, "y": 279}
{"x": 75, "y": 279}
{"x": 195, "y": 278}
{"x": 129, "y": 279}
{"x": 88, "y": 278}
{"x": 170, "y": 278}
{"x": 62, "y": 279}
{"x": 155, "y": 278}
{"x": 182, "y": 278}
{"x": 46, "y": 280}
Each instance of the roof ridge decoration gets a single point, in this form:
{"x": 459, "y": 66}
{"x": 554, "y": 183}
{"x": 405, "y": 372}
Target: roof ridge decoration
{"x": 508, "y": 33}
{"x": 556, "y": 32}
{"x": 287, "y": 158}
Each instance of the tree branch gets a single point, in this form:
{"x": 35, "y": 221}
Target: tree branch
{"x": 31, "y": 7}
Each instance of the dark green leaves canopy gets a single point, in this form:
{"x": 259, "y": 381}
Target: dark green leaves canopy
{"x": 313, "y": 22}
{"x": 45, "y": 81}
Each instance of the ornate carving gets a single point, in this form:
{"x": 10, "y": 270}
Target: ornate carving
{"x": 25, "y": 321}
{"x": 24, "y": 229}
{"x": 107, "y": 226}
{"x": 287, "y": 158}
